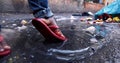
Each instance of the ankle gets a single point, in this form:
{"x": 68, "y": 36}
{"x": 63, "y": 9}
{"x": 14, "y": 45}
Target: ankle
{"x": 46, "y": 21}
{"x": 52, "y": 21}
{"x": 49, "y": 21}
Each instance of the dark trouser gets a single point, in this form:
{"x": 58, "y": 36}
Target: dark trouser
{"x": 40, "y": 8}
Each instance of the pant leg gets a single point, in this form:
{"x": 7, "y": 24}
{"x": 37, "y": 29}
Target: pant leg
{"x": 40, "y": 8}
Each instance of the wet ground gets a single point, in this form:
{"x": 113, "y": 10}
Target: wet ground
{"x": 28, "y": 44}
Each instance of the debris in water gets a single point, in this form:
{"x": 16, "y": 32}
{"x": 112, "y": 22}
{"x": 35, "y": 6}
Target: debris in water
{"x": 68, "y": 51}
{"x": 82, "y": 19}
{"x": 21, "y": 28}
{"x": 24, "y": 22}
{"x": 89, "y": 19}
{"x": 93, "y": 40}
{"x": 14, "y": 24}
{"x": 90, "y": 29}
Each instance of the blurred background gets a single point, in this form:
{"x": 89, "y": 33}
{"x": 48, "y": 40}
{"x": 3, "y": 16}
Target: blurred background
{"x": 21, "y": 6}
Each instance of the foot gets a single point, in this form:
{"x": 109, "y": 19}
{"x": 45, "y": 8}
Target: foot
{"x": 56, "y": 30}
{"x": 3, "y": 46}
{"x": 51, "y": 23}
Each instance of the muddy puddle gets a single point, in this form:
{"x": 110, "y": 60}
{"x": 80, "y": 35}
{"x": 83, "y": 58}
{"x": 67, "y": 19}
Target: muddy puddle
{"x": 84, "y": 41}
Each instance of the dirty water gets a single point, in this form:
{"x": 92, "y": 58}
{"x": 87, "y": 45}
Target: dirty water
{"x": 28, "y": 44}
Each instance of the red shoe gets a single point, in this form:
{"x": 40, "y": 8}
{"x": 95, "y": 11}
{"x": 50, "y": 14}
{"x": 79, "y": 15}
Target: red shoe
{"x": 6, "y": 51}
{"x": 49, "y": 32}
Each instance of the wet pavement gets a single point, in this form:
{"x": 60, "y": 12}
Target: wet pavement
{"x": 28, "y": 45}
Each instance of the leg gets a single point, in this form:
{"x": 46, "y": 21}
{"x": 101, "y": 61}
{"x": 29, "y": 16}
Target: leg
{"x": 40, "y": 10}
